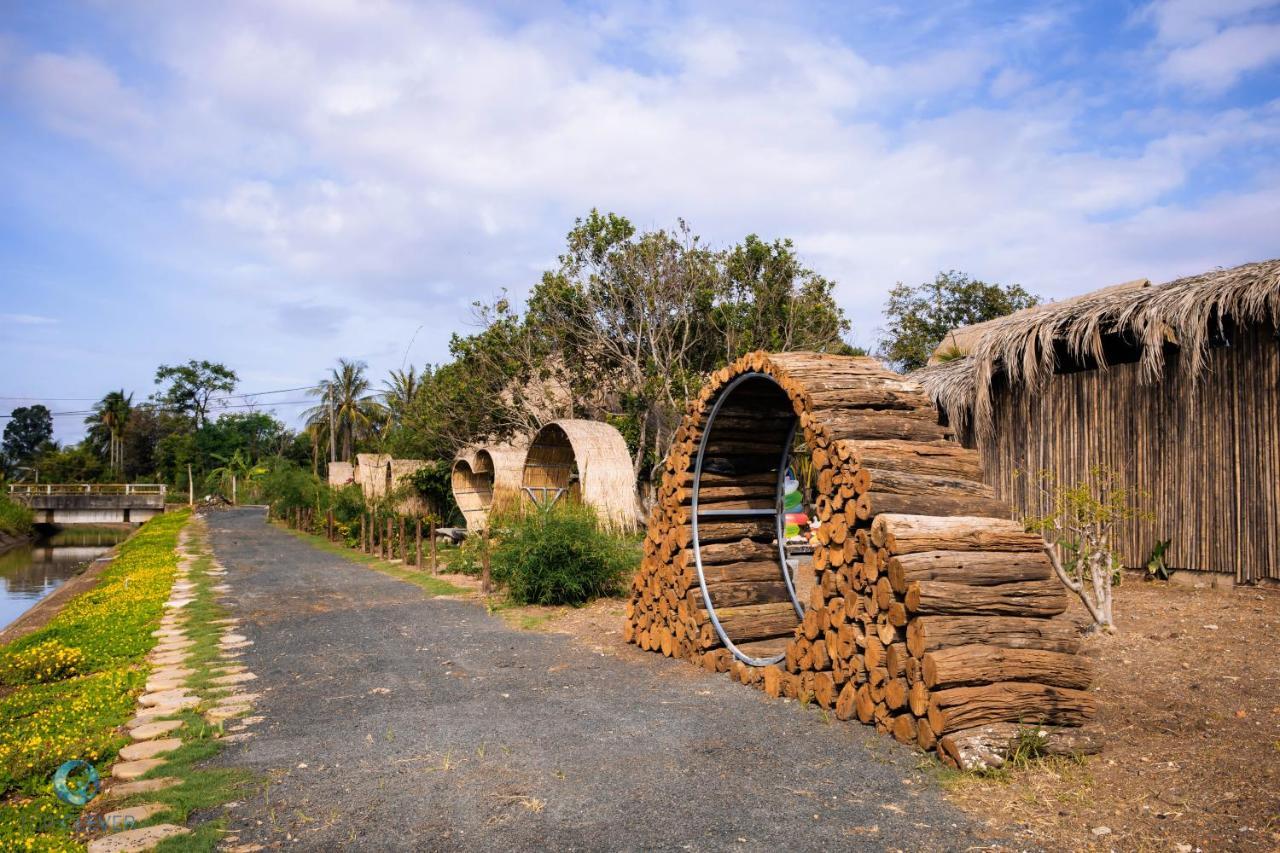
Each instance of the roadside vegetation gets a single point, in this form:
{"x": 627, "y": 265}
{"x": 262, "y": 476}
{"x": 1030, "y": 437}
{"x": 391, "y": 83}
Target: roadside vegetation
{"x": 71, "y": 684}
{"x": 15, "y": 519}
{"x": 553, "y": 556}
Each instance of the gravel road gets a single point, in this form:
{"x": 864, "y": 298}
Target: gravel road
{"x": 397, "y": 721}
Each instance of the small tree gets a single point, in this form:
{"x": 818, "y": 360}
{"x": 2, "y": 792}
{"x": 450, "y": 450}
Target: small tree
{"x": 918, "y": 318}
{"x": 1078, "y": 532}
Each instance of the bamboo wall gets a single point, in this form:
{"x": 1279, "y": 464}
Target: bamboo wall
{"x": 1207, "y": 451}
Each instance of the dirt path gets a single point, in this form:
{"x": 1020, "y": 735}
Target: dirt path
{"x": 397, "y": 721}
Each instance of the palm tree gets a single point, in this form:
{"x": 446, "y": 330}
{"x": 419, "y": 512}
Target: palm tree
{"x": 111, "y": 415}
{"x": 344, "y": 399}
{"x": 402, "y": 389}
{"x": 237, "y": 470}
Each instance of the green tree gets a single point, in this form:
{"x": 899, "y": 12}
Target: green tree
{"x": 1079, "y": 530}
{"x": 629, "y": 315}
{"x": 920, "y": 317}
{"x": 193, "y": 385}
{"x": 107, "y": 426}
{"x": 768, "y": 300}
{"x": 29, "y": 429}
{"x": 354, "y": 410}
{"x": 75, "y": 464}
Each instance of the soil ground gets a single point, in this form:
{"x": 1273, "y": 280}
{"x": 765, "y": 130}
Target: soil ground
{"x": 1189, "y": 693}
{"x": 396, "y": 721}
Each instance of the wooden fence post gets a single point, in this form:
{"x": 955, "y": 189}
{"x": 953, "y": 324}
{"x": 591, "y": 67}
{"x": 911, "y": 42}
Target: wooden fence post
{"x": 417, "y": 542}
{"x": 328, "y": 519}
{"x": 485, "y": 586}
{"x": 362, "y": 533}
{"x": 404, "y": 549}
{"x": 432, "y": 537}
{"x": 388, "y": 544}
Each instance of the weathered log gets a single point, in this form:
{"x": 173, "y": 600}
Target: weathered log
{"x": 927, "y": 633}
{"x": 941, "y": 458}
{"x": 904, "y": 482}
{"x": 937, "y": 505}
{"x": 991, "y": 745}
{"x": 976, "y": 568}
{"x": 738, "y": 594}
{"x": 741, "y": 572}
{"x": 908, "y": 534}
{"x": 750, "y": 622}
{"x": 1025, "y": 598}
{"x": 982, "y": 664}
{"x": 1008, "y": 702}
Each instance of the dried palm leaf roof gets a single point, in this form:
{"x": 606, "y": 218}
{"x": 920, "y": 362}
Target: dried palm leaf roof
{"x": 1022, "y": 346}
{"x": 962, "y": 340}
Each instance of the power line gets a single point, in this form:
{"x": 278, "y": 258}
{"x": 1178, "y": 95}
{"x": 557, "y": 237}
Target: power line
{"x": 39, "y": 398}
{"x": 153, "y": 407}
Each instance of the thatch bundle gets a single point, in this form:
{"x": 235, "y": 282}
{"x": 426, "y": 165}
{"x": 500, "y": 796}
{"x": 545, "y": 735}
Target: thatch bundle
{"x": 585, "y": 461}
{"x": 487, "y": 477}
{"x": 1024, "y": 347}
{"x": 373, "y": 473}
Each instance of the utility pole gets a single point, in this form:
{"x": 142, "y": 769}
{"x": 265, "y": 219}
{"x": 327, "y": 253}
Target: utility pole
{"x": 333, "y": 435}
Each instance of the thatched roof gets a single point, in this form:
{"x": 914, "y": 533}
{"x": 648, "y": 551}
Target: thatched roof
{"x": 486, "y": 475}
{"x": 589, "y": 460}
{"x": 1184, "y": 312}
{"x": 962, "y": 340}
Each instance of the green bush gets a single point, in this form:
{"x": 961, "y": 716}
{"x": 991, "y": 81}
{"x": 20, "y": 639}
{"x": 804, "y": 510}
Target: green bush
{"x": 15, "y": 519}
{"x": 286, "y": 487}
{"x": 560, "y": 556}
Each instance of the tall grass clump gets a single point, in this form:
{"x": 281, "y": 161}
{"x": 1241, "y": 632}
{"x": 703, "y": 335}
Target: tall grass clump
{"x": 560, "y": 556}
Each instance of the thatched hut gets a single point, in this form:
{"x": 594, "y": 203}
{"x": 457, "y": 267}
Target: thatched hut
{"x": 373, "y": 473}
{"x": 1175, "y": 387}
{"x": 487, "y": 477}
{"x": 341, "y": 474}
{"x": 584, "y": 461}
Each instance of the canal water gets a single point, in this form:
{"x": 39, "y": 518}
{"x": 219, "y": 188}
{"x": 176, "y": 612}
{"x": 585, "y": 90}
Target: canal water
{"x": 30, "y": 572}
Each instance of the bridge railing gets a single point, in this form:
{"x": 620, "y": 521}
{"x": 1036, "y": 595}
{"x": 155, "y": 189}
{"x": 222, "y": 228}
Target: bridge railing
{"x": 25, "y": 489}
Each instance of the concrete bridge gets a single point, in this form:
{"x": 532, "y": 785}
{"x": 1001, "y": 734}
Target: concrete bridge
{"x": 90, "y": 503}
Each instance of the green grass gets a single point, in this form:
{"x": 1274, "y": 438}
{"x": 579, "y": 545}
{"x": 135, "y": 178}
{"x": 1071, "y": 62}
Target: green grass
{"x": 421, "y": 578}
{"x": 201, "y": 787}
{"x": 43, "y": 724}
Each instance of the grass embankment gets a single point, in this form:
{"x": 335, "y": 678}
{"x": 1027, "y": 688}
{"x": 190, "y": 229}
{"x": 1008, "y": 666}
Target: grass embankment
{"x": 69, "y": 686}
{"x": 418, "y": 577}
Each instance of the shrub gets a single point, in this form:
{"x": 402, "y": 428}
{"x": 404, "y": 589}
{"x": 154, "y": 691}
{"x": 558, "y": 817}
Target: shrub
{"x": 15, "y": 519}
{"x": 560, "y": 556}
{"x": 41, "y": 663}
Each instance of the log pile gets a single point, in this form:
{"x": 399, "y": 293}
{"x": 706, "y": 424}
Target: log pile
{"x": 929, "y": 614}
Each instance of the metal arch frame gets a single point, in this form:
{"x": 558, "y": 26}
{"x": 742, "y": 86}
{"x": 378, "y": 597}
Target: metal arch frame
{"x": 777, "y": 512}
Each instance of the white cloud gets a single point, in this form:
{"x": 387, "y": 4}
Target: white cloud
{"x": 392, "y": 162}
{"x": 1209, "y": 46}
{"x": 26, "y": 320}
{"x": 1217, "y": 62}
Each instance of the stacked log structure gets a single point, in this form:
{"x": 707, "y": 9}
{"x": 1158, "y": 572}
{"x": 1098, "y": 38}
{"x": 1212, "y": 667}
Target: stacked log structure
{"x": 928, "y": 612}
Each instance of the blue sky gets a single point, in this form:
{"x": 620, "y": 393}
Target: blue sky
{"x": 275, "y": 184}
